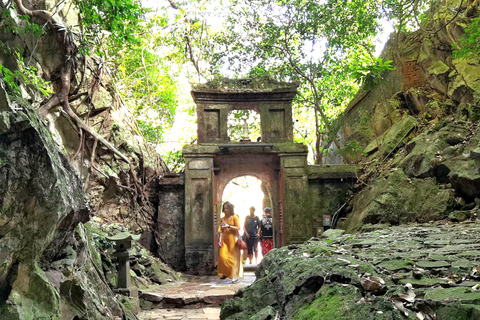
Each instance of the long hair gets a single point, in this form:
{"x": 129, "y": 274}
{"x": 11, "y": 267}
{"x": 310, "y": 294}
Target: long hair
{"x": 229, "y": 206}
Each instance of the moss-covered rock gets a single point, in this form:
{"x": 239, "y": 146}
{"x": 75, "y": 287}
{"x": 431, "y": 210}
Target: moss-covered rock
{"x": 397, "y": 199}
{"x": 326, "y": 278}
{"x": 50, "y": 268}
{"x": 336, "y": 302}
{"x": 392, "y": 138}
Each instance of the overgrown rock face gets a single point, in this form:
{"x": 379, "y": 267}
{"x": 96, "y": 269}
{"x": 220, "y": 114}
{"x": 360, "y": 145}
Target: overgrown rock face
{"x": 428, "y": 80}
{"x": 396, "y": 199}
{"x": 47, "y": 270}
{"x": 428, "y": 271}
{"x": 108, "y": 178}
{"x": 420, "y": 122}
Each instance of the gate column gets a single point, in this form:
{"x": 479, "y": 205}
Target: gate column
{"x": 294, "y": 196}
{"x": 199, "y": 255}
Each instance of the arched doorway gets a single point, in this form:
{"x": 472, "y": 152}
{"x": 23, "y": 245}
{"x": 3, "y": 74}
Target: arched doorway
{"x": 245, "y": 192}
{"x": 262, "y": 168}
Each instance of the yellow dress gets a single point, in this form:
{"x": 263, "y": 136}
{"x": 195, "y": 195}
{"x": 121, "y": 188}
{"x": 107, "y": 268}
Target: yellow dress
{"x": 229, "y": 257}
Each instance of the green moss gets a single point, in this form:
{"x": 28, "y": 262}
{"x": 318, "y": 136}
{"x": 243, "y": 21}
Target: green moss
{"x": 453, "y": 294}
{"x": 335, "y": 302}
{"x": 458, "y": 312}
{"x": 32, "y": 297}
{"x": 438, "y": 68}
{"x": 396, "y": 264}
{"x": 131, "y": 305}
{"x": 93, "y": 247}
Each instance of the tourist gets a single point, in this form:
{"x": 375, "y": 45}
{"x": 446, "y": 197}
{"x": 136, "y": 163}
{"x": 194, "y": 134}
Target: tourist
{"x": 266, "y": 231}
{"x": 229, "y": 258}
{"x": 251, "y": 228}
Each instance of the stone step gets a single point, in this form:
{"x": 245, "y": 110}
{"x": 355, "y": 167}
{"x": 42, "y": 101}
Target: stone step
{"x": 211, "y": 298}
{"x": 192, "y": 293}
{"x": 180, "y": 314}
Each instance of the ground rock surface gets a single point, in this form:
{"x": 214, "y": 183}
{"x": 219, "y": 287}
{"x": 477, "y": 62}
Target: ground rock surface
{"x": 416, "y": 271}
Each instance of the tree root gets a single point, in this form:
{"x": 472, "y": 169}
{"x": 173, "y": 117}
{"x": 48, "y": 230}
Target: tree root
{"x": 69, "y": 50}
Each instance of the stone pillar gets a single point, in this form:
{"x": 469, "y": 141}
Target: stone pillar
{"x": 199, "y": 228}
{"x": 295, "y": 197}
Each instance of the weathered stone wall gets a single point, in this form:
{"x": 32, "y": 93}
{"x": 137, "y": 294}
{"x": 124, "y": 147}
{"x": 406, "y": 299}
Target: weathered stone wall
{"x": 330, "y": 188}
{"x": 171, "y": 221}
{"x": 271, "y": 99}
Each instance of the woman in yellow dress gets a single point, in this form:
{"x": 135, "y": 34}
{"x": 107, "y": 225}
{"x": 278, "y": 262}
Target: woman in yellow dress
{"x": 229, "y": 257}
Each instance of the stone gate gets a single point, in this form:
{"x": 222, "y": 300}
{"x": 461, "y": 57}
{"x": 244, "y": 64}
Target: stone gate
{"x": 293, "y": 188}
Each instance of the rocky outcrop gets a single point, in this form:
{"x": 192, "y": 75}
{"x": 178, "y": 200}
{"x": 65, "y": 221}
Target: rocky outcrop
{"x": 418, "y": 127}
{"x": 116, "y": 189}
{"x": 396, "y": 199}
{"x": 428, "y": 271}
{"x": 52, "y": 265}
{"x": 47, "y": 267}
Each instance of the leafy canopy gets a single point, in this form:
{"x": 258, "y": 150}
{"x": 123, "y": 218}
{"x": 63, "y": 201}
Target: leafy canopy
{"x": 127, "y": 42}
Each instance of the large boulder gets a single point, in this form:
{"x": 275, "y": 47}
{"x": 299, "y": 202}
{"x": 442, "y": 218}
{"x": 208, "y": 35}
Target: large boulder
{"x": 432, "y": 148}
{"x": 47, "y": 267}
{"x": 396, "y": 199}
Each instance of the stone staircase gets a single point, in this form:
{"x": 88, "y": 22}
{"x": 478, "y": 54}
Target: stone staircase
{"x": 191, "y": 298}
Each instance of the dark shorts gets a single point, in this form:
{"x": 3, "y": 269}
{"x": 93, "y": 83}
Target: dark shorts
{"x": 252, "y": 245}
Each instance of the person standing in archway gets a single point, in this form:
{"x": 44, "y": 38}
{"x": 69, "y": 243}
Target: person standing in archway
{"x": 229, "y": 258}
{"x": 266, "y": 231}
{"x": 251, "y": 227}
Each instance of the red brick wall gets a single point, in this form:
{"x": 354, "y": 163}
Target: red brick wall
{"x": 413, "y": 75}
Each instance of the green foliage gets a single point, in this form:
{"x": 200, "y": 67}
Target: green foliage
{"x": 10, "y": 26}
{"x": 26, "y": 75}
{"x": 8, "y": 78}
{"x": 407, "y": 15}
{"x": 469, "y": 46}
{"x": 29, "y": 27}
{"x": 350, "y": 149}
{"x": 236, "y": 122}
{"x": 148, "y": 87}
{"x": 129, "y": 47}
{"x": 98, "y": 236}
{"x": 174, "y": 160}
{"x": 122, "y": 18}
{"x": 370, "y": 71}
{"x": 314, "y": 43}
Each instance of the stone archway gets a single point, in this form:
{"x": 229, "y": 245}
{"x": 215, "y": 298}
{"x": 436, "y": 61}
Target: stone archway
{"x": 300, "y": 194}
{"x": 265, "y": 167}
{"x": 216, "y": 160}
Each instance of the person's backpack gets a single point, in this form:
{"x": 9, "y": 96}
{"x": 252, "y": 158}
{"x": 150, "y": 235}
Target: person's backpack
{"x": 267, "y": 223}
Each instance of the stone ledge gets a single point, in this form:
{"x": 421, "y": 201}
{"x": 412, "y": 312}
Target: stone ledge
{"x": 334, "y": 172}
